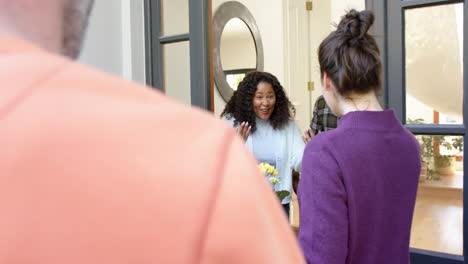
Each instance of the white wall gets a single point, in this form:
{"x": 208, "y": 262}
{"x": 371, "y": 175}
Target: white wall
{"x": 115, "y": 39}
{"x": 269, "y": 17}
{"x": 340, "y": 7}
{"x": 304, "y": 31}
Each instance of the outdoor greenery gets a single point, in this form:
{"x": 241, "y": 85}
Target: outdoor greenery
{"x": 428, "y": 144}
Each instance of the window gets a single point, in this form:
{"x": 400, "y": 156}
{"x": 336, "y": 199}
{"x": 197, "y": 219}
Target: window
{"x": 423, "y": 52}
{"x": 177, "y": 47}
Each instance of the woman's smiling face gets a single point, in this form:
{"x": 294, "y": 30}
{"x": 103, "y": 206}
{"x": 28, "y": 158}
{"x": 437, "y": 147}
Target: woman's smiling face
{"x": 264, "y": 100}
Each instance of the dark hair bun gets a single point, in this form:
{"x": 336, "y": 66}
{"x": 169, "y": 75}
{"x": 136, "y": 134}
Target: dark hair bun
{"x": 350, "y": 56}
{"x": 356, "y": 24}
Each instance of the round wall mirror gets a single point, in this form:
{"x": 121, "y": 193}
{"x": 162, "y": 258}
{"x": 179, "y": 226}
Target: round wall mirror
{"x": 237, "y": 47}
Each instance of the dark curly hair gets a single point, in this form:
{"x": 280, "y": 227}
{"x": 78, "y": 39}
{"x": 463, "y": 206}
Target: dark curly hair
{"x": 240, "y": 106}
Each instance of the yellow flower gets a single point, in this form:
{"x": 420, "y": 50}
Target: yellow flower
{"x": 274, "y": 180}
{"x": 266, "y": 168}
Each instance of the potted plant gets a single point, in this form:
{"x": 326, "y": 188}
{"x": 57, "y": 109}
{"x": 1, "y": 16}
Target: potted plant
{"x": 458, "y": 144}
{"x": 427, "y": 151}
{"x": 442, "y": 164}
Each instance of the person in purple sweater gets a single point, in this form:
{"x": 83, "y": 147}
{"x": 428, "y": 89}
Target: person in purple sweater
{"x": 358, "y": 183}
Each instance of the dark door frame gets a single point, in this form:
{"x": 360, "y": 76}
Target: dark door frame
{"x": 198, "y": 36}
{"x": 389, "y": 30}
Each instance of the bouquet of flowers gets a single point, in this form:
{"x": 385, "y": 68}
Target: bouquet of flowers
{"x": 272, "y": 174}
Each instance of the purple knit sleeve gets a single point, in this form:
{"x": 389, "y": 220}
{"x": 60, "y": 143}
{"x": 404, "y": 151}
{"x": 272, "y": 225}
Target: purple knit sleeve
{"x": 323, "y": 233}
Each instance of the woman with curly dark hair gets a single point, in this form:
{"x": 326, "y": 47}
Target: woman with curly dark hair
{"x": 263, "y": 116}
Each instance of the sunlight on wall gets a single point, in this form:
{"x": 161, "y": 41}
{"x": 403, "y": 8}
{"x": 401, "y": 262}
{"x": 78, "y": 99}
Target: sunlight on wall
{"x": 434, "y": 66}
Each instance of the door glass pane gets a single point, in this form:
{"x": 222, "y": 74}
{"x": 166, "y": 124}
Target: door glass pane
{"x": 177, "y": 71}
{"x": 175, "y": 17}
{"x": 434, "y": 64}
{"x": 438, "y": 216}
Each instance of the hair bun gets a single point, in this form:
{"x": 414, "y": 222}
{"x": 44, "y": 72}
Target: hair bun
{"x": 356, "y": 24}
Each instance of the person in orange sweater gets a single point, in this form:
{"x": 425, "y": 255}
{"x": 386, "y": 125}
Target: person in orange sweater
{"x": 95, "y": 169}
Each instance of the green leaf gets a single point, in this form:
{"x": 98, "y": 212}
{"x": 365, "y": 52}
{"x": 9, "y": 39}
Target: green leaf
{"x": 282, "y": 194}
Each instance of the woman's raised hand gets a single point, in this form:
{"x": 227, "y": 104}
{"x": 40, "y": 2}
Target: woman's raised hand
{"x": 244, "y": 130}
